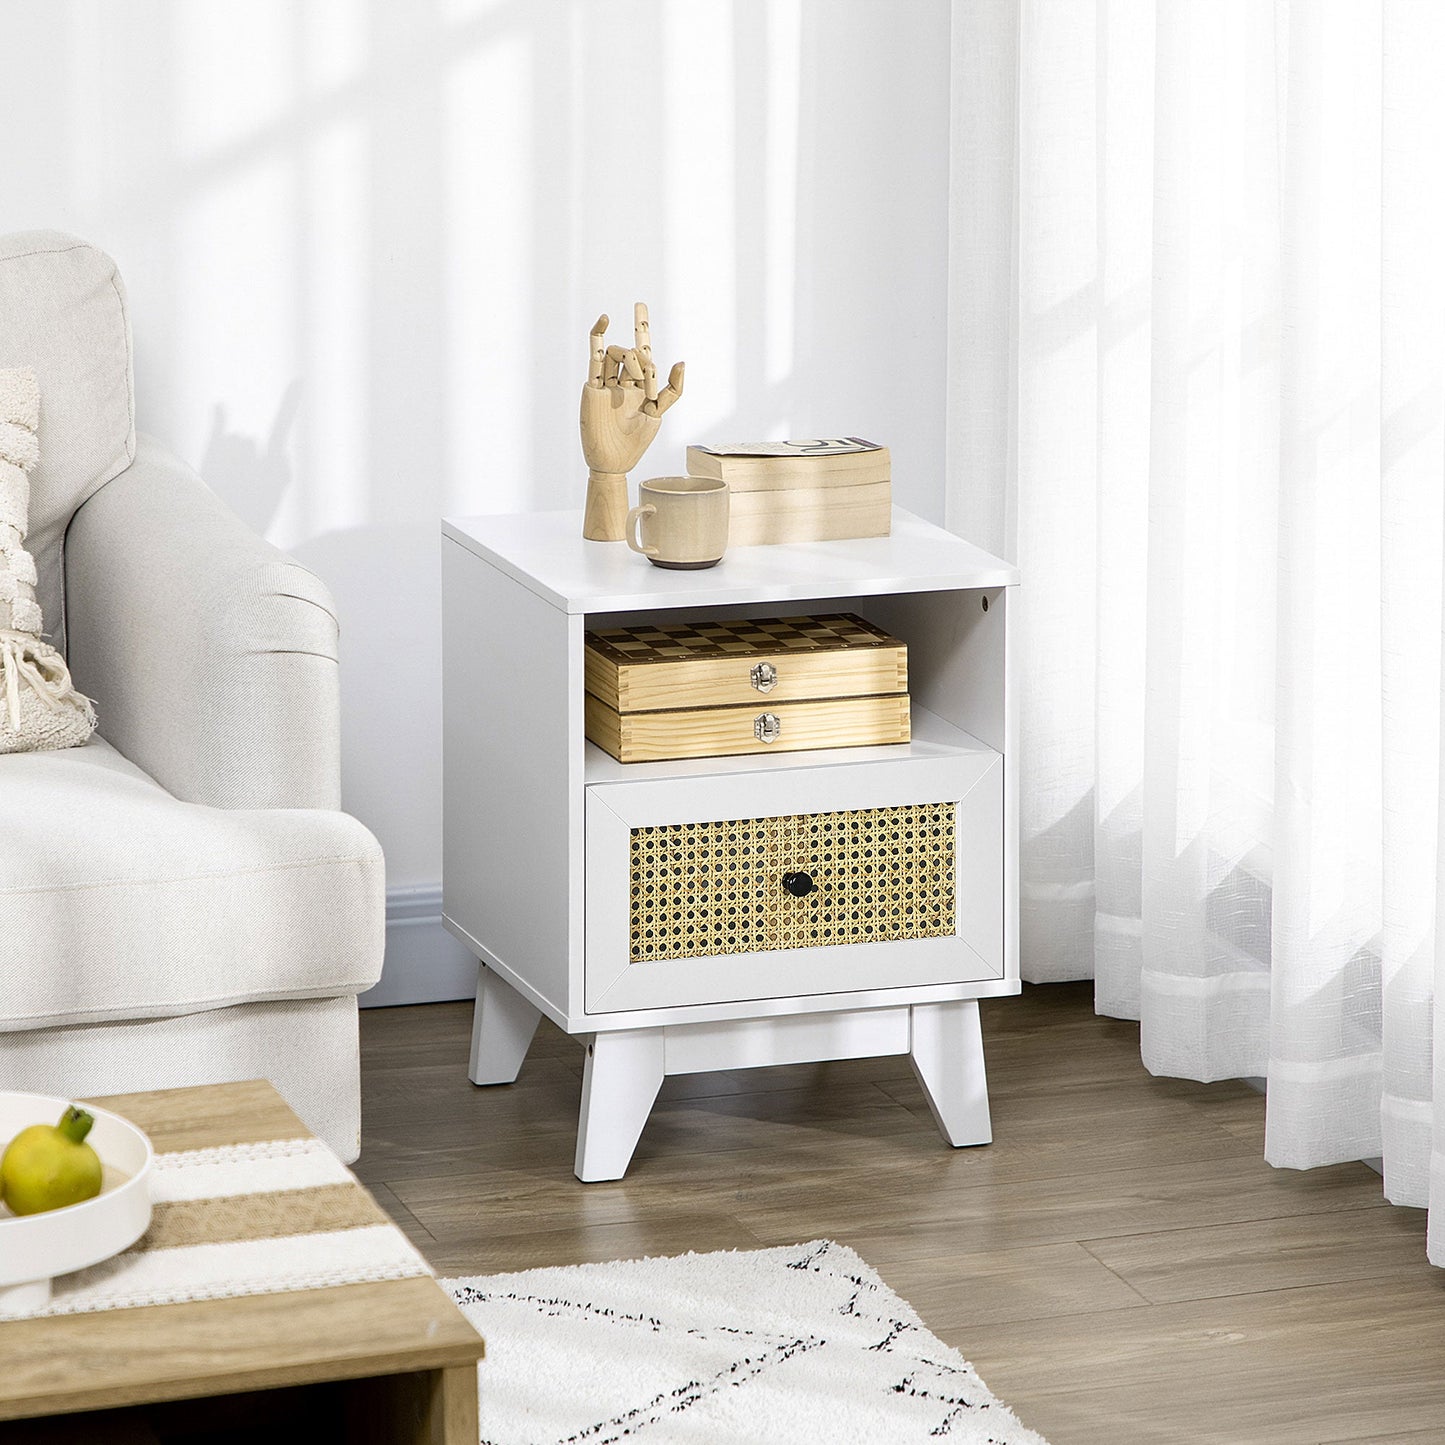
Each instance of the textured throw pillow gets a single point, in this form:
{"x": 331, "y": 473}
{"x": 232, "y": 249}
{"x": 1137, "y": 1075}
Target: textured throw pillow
{"x": 39, "y": 706}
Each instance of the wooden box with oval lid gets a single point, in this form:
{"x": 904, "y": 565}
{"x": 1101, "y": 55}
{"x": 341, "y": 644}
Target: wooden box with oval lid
{"x": 658, "y": 691}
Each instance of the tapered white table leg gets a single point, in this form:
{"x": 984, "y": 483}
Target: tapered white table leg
{"x": 503, "y": 1023}
{"x": 619, "y": 1085}
{"x": 947, "y": 1056}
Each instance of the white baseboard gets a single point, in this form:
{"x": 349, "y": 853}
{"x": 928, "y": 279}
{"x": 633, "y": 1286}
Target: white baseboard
{"x": 424, "y": 963}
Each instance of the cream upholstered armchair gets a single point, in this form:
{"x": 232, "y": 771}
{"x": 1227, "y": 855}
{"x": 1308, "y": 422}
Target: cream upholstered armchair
{"x": 181, "y": 900}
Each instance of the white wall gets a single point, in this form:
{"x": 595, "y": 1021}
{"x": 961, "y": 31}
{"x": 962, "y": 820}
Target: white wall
{"x": 365, "y": 241}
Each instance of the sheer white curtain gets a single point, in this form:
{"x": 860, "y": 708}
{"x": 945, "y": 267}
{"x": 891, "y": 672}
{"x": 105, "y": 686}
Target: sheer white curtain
{"x": 1198, "y": 391}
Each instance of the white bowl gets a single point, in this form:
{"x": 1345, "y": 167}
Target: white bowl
{"x": 34, "y": 1248}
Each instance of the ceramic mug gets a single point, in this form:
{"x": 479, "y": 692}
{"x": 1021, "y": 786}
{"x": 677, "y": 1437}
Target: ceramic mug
{"x": 683, "y": 522}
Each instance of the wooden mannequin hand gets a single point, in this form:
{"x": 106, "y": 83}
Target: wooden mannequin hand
{"x": 621, "y": 404}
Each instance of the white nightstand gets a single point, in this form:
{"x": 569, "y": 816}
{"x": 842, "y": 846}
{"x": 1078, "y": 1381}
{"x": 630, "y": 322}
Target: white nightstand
{"x": 539, "y": 824}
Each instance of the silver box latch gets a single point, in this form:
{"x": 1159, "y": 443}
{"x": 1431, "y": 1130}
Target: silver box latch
{"x": 764, "y": 676}
{"x": 767, "y": 727}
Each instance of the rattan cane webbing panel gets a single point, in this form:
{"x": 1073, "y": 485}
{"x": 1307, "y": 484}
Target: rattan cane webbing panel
{"x": 881, "y": 874}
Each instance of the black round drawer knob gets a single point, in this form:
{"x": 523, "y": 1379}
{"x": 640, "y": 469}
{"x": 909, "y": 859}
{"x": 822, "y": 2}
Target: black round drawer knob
{"x": 799, "y": 884}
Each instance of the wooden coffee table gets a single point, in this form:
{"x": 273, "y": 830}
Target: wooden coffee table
{"x": 392, "y": 1361}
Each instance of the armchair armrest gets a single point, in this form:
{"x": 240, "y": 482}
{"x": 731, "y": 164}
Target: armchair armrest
{"x": 211, "y": 655}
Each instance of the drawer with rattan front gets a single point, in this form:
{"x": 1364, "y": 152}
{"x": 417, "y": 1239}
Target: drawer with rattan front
{"x": 805, "y": 880}
{"x": 852, "y": 894}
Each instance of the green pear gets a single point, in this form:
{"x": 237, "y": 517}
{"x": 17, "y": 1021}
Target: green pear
{"x": 49, "y": 1166}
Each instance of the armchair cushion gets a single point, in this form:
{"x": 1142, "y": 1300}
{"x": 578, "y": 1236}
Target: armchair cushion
{"x": 118, "y": 901}
{"x": 63, "y": 311}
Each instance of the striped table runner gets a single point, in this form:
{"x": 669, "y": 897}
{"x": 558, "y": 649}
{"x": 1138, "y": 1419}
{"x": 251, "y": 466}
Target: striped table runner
{"x": 240, "y": 1220}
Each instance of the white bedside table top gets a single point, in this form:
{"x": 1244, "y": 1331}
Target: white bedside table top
{"x": 546, "y": 553}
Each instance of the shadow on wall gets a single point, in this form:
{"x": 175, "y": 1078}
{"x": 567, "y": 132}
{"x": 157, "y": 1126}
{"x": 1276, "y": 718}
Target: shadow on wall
{"x": 251, "y": 477}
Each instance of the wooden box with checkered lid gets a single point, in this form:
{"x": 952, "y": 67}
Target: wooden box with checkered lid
{"x": 658, "y": 691}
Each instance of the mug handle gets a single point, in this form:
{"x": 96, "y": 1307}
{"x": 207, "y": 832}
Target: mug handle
{"x": 633, "y": 517}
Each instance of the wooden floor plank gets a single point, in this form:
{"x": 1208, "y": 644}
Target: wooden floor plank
{"x": 585, "y": 1242}
{"x": 1286, "y": 1367}
{"x": 1396, "y": 1437}
{"x": 1267, "y": 1254}
{"x": 959, "y": 1293}
{"x": 936, "y": 1204}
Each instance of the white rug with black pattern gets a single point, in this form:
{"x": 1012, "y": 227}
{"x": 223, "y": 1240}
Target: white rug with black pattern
{"x": 793, "y": 1346}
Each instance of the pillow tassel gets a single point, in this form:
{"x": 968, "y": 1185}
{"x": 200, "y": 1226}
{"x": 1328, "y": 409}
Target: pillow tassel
{"x": 33, "y": 669}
